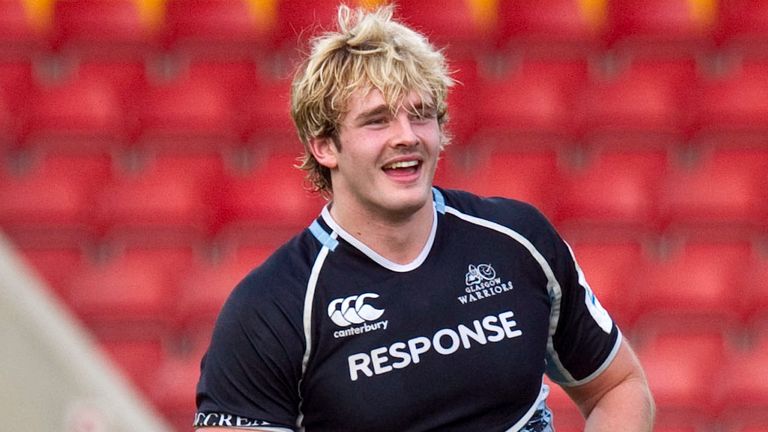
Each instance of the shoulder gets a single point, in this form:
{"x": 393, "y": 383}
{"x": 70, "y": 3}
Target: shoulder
{"x": 513, "y": 214}
{"x": 280, "y": 280}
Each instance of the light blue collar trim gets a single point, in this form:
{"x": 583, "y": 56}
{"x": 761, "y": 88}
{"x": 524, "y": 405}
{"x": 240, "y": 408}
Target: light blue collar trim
{"x": 323, "y": 237}
{"x": 439, "y": 201}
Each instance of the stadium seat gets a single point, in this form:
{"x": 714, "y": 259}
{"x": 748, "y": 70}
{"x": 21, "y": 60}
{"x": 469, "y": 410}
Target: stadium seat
{"x": 185, "y": 115}
{"x": 237, "y": 77}
{"x": 297, "y": 19}
{"x": 531, "y": 105}
{"x": 215, "y": 28}
{"x": 732, "y": 110}
{"x": 724, "y": 193}
{"x": 660, "y": 27}
{"x": 126, "y": 295}
{"x": 16, "y": 76}
{"x": 616, "y": 190}
{"x": 608, "y": 266}
{"x": 21, "y": 37}
{"x": 101, "y": 29}
{"x": 204, "y": 289}
{"x": 463, "y": 100}
{"x": 264, "y": 122}
{"x": 52, "y": 195}
{"x": 55, "y": 263}
{"x": 270, "y": 197}
{"x": 642, "y": 105}
{"x": 743, "y": 27}
{"x": 80, "y": 115}
{"x": 680, "y": 368}
{"x": 137, "y": 358}
{"x": 755, "y": 291}
{"x": 462, "y": 27}
{"x": 697, "y": 284}
{"x": 172, "y": 199}
{"x": 553, "y": 28}
{"x": 172, "y": 390}
{"x": 530, "y": 176}
{"x": 742, "y": 387}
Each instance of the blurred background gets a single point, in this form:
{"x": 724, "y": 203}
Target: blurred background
{"x": 146, "y": 157}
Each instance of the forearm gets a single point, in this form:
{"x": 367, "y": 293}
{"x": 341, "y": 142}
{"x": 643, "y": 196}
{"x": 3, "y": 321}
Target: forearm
{"x": 628, "y": 407}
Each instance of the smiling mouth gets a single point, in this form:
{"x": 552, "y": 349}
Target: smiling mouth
{"x": 402, "y": 167}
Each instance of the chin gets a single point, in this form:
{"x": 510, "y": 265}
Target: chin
{"x": 407, "y": 203}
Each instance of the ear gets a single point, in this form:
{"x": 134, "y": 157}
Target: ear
{"x": 324, "y": 150}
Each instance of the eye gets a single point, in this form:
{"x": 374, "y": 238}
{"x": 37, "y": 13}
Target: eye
{"x": 424, "y": 115}
{"x": 378, "y": 120}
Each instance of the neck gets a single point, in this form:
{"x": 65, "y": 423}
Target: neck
{"x": 398, "y": 238}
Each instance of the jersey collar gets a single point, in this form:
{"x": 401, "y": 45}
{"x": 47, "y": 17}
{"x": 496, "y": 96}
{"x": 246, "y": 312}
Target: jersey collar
{"x": 337, "y": 230}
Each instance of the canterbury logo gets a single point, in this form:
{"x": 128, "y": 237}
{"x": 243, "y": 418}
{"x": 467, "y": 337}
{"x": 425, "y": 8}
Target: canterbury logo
{"x": 353, "y": 310}
{"x": 483, "y": 272}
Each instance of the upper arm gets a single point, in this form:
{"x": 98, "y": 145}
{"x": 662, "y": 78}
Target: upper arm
{"x": 624, "y": 370}
{"x": 250, "y": 374}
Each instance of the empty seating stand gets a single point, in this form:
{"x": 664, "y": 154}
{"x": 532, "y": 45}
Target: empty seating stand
{"x": 147, "y": 147}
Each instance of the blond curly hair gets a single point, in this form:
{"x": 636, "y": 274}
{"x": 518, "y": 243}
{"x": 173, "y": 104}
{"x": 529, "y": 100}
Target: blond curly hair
{"x": 369, "y": 50}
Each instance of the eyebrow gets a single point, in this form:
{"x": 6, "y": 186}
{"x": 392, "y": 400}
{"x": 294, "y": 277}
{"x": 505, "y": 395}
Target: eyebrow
{"x": 373, "y": 112}
{"x": 382, "y": 109}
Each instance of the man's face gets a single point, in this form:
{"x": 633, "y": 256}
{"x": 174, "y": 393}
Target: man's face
{"x": 385, "y": 162}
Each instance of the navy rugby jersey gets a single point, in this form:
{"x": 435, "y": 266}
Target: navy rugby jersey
{"x": 327, "y": 335}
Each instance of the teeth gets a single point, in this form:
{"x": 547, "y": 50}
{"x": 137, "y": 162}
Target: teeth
{"x": 403, "y": 164}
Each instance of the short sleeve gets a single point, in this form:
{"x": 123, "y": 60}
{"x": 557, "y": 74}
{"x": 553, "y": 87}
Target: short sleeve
{"x": 250, "y": 374}
{"x": 585, "y": 338}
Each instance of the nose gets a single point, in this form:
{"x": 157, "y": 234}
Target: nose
{"x": 403, "y": 132}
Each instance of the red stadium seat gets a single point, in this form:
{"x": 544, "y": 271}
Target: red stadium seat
{"x": 742, "y": 387}
{"x": 462, "y": 100}
{"x": 271, "y": 197}
{"x": 644, "y": 105}
{"x": 680, "y": 368}
{"x": 97, "y": 28}
{"x": 732, "y": 110}
{"x": 237, "y": 77}
{"x": 748, "y": 425}
{"x": 551, "y": 28}
{"x": 126, "y": 295}
{"x": 172, "y": 199}
{"x": 136, "y": 358}
{"x": 462, "y": 27}
{"x": 532, "y": 105}
{"x": 172, "y": 390}
{"x": 204, "y": 290}
{"x": 20, "y": 36}
{"x": 77, "y": 115}
{"x": 7, "y": 132}
{"x": 297, "y": 19}
{"x": 527, "y": 176}
{"x": 53, "y": 196}
{"x": 696, "y": 285}
{"x": 54, "y": 263}
{"x": 186, "y": 115}
{"x": 608, "y": 266}
{"x": 215, "y": 28}
{"x": 724, "y": 192}
{"x": 743, "y": 27}
{"x": 617, "y": 191}
{"x": 661, "y": 27}
{"x": 755, "y": 290}
{"x": 16, "y": 78}
{"x": 264, "y": 122}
